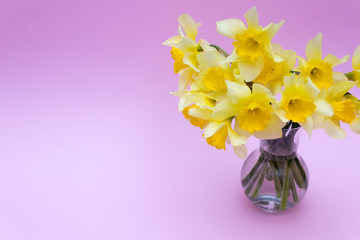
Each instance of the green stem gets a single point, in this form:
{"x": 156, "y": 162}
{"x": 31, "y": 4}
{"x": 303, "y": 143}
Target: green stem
{"x": 285, "y": 194}
{"x": 296, "y": 72}
{"x": 248, "y": 177}
{"x": 260, "y": 182}
{"x": 253, "y": 180}
{"x": 299, "y": 173}
{"x": 220, "y": 50}
{"x": 293, "y": 190}
{"x": 350, "y": 76}
{"x": 276, "y": 177}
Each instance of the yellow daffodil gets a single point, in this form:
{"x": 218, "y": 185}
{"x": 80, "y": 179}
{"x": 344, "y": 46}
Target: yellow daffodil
{"x": 355, "y": 124}
{"x": 320, "y": 71}
{"x": 299, "y": 101}
{"x": 213, "y": 70}
{"x": 344, "y": 109}
{"x": 252, "y": 110}
{"x": 196, "y": 121}
{"x": 188, "y": 97}
{"x": 251, "y": 43}
{"x": 355, "y": 74}
{"x": 275, "y": 69}
{"x": 184, "y": 46}
{"x": 217, "y": 133}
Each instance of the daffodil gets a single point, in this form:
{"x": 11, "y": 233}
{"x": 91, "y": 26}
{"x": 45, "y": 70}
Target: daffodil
{"x": 318, "y": 70}
{"x": 196, "y": 121}
{"x": 252, "y": 110}
{"x": 184, "y": 46}
{"x": 355, "y": 74}
{"x": 275, "y": 69}
{"x": 213, "y": 70}
{"x": 251, "y": 43}
{"x": 299, "y": 101}
{"x": 344, "y": 109}
{"x": 355, "y": 124}
{"x": 189, "y": 97}
{"x": 217, "y": 133}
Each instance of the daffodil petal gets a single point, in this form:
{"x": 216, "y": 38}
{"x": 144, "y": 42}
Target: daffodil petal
{"x": 190, "y": 59}
{"x": 290, "y": 82}
{"x": 205, "y": 45}
{"x": 311, "y": 89}
{"x": 272, "y": 29}
{"x": 189, "y": 25}
{"x": 232, "y": 58}
{"x": 249, "y": 70}
{"x": 355, "y": 125}
{"x": 280, "y": 113}
{"x": 185, "y": 78}
{"x": 212, "y": 127}
{"x": 339, "y": 77}
{"x": 261, "y": 90}
{"x": 201, "y": 113}
{"x": 339, "y": 89}
{"x": 313, "y": 48}
{"x": 173, "y": 41}
{"x": 236, "y": 139}
{"x": 186, "y": 101}
{"x": 324, "y": 108}
{"x": 252, "y": 19}
{"x": 230, "y": 27}
{"x": 240, "y": 151}
{"x": 180, "y": 93}
{"x": 208, "y": 59}
{"x": 356, "y": 59}
{"x": 333, "y": 130}
{"x": 236, "y": 91}
{"x": 333, "y": 61}
{"x": 308, "y": 125}
{"x": 272, "y": 130}
{"x": 290, "y": 59}
{"x": 224, "y": 110}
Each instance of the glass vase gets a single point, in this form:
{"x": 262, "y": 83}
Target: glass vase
{"x": 274, "y": 176}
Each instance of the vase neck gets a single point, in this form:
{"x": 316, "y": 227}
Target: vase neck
{"x": 286, "y": 145}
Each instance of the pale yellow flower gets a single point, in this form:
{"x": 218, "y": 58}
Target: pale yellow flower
{"x": 320, "y": 71}
{"x": 217, "y": 133}
{"x": 355, "y": 124}
{"x": 252, "y": 110}
{"x": 213, "y": 70}
{"x": 184, "y": 46}
{"x": 251, "y": 43}
{"x": 344, "y": 109}
{"x": 355, "y": 74}
{"x": 299, "y": 101}
{"x": 275, "y": 69}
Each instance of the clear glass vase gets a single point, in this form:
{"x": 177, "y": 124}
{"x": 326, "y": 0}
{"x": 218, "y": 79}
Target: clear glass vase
{"x": 274, "y": 176}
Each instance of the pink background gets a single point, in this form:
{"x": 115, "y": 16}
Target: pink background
{"x": 92, "y": 146}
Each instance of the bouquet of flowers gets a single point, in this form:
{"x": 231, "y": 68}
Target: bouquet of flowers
{"x": 258, "y": 91}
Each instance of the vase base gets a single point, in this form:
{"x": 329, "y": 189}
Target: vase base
{"x": 270, "y": 204}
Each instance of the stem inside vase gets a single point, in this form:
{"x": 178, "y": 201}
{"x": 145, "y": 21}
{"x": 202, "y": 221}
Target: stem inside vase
{"x": 274, "y": 176}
